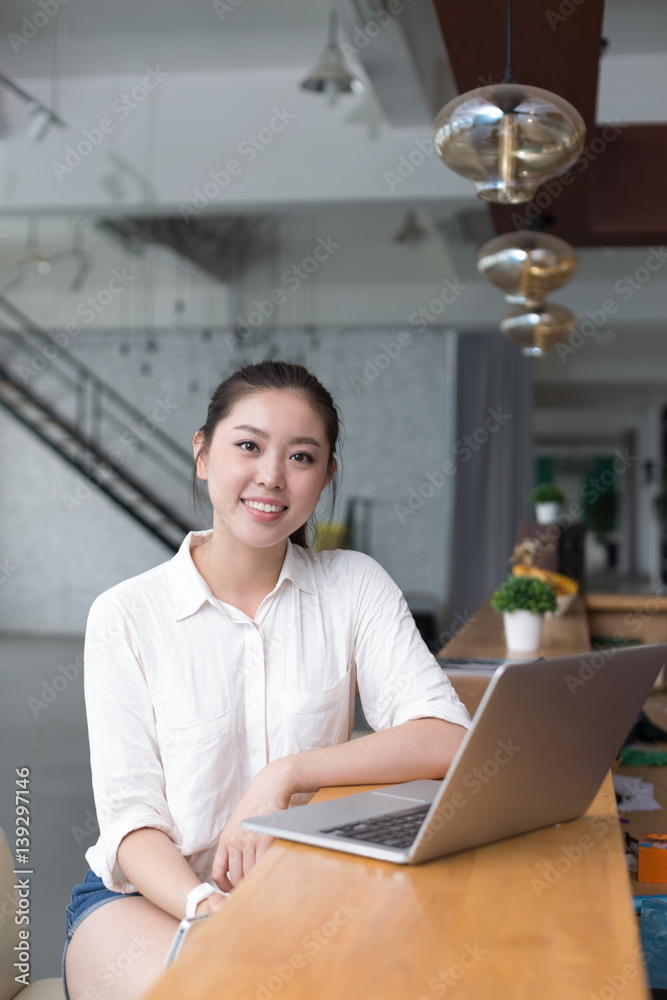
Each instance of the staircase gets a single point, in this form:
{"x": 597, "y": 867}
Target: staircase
{"x": 72, "y": 410}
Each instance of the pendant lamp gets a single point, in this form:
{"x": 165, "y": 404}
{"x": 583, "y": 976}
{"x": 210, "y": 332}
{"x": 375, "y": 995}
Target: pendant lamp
{"x": 331, "y": 75}
{"x": 538, "y": 330}
{"x": 526, "y": 266}
{"x": 508, "y": 138}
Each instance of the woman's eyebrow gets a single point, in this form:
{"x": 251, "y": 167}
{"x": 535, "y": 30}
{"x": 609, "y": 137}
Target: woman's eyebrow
{"x": 263, "y": 434}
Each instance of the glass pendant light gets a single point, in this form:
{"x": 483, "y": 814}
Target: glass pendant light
{"x": 526, "y": 266}
{"x": 508, "y": 138}
{"x": 331, "y": 75}
{"x": 538, "y": 330}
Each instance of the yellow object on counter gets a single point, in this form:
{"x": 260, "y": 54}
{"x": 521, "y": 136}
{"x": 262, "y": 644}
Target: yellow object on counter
{"x": 562, "y": 585}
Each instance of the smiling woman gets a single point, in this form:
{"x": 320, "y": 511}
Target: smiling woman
{"x": 221, "y": 684}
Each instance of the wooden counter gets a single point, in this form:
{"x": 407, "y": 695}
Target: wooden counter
{"x": 513, "y": 920}
{"x": 547, "y": 914}
{"x": 635, "y": 617}
{"x": 483, "y": 635}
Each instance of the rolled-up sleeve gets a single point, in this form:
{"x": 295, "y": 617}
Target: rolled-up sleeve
{"x": 128, "y": 779}
{"x": 399, "y": 678}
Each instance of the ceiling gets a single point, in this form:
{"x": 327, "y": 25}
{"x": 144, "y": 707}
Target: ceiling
{"x": 618, "y": 205}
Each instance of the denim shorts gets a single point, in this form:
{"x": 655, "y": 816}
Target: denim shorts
{"x": 86, "y": 897}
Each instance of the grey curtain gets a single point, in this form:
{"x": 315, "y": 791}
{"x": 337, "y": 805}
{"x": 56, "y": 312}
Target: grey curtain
{"x": 494, "y": 465}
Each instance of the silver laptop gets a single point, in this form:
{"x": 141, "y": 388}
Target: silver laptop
{"x": 543, "y": 738}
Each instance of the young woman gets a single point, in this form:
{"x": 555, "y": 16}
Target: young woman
{"x": 221, "y": 684}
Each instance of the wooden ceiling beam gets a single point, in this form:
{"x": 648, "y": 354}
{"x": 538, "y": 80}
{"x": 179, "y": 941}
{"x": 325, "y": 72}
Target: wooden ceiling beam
{"x": 615, "y": 194}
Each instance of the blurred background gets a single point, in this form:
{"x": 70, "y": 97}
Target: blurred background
{"x": 174, "y": 205}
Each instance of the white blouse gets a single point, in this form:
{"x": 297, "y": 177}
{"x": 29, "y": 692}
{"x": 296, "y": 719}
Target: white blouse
{"x": 188, "y": 698}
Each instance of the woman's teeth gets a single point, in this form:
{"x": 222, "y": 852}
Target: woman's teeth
{"x": 266, "y": 507}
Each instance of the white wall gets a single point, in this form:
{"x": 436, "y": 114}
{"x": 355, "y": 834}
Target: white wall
{"x": 395, "y": 432}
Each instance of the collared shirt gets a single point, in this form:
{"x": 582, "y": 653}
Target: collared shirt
{"x": 188, "y": 698}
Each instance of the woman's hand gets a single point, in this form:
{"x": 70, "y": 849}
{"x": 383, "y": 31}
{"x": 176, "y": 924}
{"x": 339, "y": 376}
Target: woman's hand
{"x": 239, "y": 849}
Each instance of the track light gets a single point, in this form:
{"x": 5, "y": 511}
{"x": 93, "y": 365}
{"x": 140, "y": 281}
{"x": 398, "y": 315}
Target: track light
{"x": 331, "y": 75}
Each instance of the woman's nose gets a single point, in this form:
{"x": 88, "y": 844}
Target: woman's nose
{"x": 270, "y": 474}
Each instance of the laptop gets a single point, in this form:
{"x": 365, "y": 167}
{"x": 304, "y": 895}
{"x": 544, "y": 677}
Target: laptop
{"x": 543, "y": 738}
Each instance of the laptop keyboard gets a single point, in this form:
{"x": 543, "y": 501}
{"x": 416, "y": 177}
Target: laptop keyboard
{"x": 391, "y": 830}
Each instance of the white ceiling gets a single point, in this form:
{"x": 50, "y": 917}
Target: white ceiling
{"x": 123, "y": 36}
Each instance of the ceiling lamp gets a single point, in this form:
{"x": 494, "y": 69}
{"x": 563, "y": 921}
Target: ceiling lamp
{"x": 508, "y": 138}
{"x": 331, "y": 75}
{"x": 411, "y": 230}
{"x": 538, "y": 330}
{"x": 526, "y": 266}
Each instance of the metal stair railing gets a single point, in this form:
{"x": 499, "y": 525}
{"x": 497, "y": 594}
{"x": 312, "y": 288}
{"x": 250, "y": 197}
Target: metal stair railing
{"x": 78, "y": 436}
{"x": 134, "y": 497}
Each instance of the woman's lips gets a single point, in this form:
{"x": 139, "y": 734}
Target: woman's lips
{"x": 253, "y": 507}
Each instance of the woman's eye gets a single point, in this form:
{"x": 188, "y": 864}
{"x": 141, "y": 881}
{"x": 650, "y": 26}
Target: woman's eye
{"x": 247, "y": 445}
{"x": 303, "y": 458}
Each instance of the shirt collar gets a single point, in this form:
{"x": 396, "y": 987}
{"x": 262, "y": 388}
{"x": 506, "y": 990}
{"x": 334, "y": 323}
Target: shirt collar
{"x": 190, "y": 590}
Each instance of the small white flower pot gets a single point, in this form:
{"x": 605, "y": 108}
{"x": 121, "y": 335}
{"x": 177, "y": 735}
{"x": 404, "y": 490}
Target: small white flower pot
{"x": 523, "y": 630}
{"x": 546, "y": 513}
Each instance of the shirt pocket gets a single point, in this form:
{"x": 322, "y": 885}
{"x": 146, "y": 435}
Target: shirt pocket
{"x": 314, "y": 719}
{"x": 203, "y": 757}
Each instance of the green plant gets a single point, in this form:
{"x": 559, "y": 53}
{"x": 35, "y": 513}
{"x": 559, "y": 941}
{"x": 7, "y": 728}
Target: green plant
{"x": 547, "y": 493}
{"x": 601, "y": 515}
{"x": 524, "y": 593}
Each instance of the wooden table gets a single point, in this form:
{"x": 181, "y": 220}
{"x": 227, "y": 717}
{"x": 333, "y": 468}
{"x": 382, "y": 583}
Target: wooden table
{"x": 640, "y": 617}
{"x": 547, "y": 914}
{"x": 483, "y": 636}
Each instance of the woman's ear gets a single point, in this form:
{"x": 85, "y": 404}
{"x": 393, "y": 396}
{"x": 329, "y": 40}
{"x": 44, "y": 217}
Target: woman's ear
{"x": 200, "y": 454}
{"x": 329, "y": 476}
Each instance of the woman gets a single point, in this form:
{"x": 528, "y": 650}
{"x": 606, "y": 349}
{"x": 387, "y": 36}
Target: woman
{"x": 221, "y": 684}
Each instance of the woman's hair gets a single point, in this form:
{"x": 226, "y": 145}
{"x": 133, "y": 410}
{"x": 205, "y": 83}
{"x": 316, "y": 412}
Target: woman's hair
{"x": 271, "y": 375}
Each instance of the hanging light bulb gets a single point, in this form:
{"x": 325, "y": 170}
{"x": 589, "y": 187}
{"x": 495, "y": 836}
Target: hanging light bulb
{"x": 331, "y": 75}
{"x": 538, "y": 330}
{"x": 508, "y": 138}
{"x": 527, "y": 266}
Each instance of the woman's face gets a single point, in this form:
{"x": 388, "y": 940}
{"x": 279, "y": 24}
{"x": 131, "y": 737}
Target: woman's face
{"x": 271, "y": 451}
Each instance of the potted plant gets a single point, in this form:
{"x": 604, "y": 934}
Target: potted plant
{"x": 523, "y": 602}
{"x": 547, "y": 499}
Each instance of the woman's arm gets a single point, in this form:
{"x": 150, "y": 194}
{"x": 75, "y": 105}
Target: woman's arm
{"x": 421, "y": 748}
{"x": 153, "y": 863}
